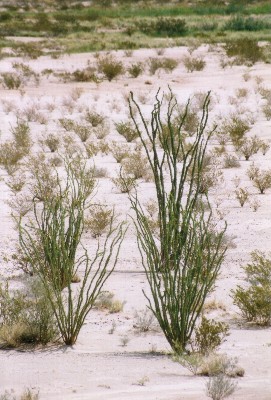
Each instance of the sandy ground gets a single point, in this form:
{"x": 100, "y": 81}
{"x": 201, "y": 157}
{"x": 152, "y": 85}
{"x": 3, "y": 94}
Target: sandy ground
{"x": 98, "y": 366}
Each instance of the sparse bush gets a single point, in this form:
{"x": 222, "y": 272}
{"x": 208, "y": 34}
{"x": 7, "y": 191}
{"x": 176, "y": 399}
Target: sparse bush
{"x": 249, "y": 146}
{"x": 267, "y": 111}
{"x": 216, "y": 364}
{"x": 98, "y": 220}
{"x": 242, "y": 195}
{"x": 240, "y": 23}
{"x": 106, "y": 301}
{"x": 254, "y": 301}
{"x": 10, "y": 155}
{"x": 209, "y": 335}
{"x": 52, "y": 142}
{"x": 85, "y": 75}
{"x": 194, "y": 63}
{"x": 137, "y": 166}
{"x": 135, "y": 69}
{"x": 110, "y": 67}
{"x": 119, "y": 151}
{"x": 94, "y": 118}
{"x": 220, "y": 387}
{"x": 11, "y": 80}
{"x": 262, "y": 180}
{"x": 168, "y": 64}
{"x": 125, "y": 183}
{"x": 21, "y": 134}
{"x": 144, "y": 320}
{"x": 126, "y": 130}
{"x": 82, "y": 131}
{"x": 236, "y": 127}
{"x": 231, "y": 161}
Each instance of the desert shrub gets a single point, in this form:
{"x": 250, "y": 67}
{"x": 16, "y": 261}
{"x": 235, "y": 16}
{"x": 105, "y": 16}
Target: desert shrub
{"x": 249, "y": 146}
{"x": 82, "y": 131}
{"x": 28, "y": 394}
{"x": 266, "y": 108}
{"x": 119, "y": 151}
{"x": 52, "y": 141}
{"x": 181, "y": 262}
{"x": 11, "y": 80}
{"x": 144, "y": 321}
{"x": 98, "y": 220}
{"x": 262, "y": 180}
{"x": 106, "y": 301}
{"x": 10, "y": 155}
{"x": 168, "y": 64}
{"x": 85, "y": 75}
{"x": 216, "y": 364}
{"x": 194, "y": 63}
{"x": 244, "y": 51}
{"x": 26, "y": 73}
{"x": 264, "y": 147}
{"x": 240, "y": 23}
{"x": 102, "y": 130}
{"x": 254, "y": 301}
{"x": 125, "y": 183}
{"x": 236, "y": 128}
{"x": 135, "y": 69}
{"x": 26, "y": 317}
{"x": 21, "y": 135}
{"x": 55, "y": 236}
{"x": 16, "y": 183}
{"x": 220, "y": 387}
{"x": 164, "y": 27}
{"x": 242, "y": 195}
{"x": 94, "y": 118}
{"x": 126, "y": 130}
{"x": 137, "y": 166}
{"x": 66, "y": 123}
{"x": 110, "y": 67}
{"x": 209, "y": 335}
{"x": 190, "y": 119}
{"x": 231, "y": 161}
{"x": 253, "y": 171}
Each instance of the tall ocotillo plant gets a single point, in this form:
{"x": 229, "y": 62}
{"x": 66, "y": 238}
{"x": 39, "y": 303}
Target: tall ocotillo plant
{"x": 52, "y": 242}
{"x": 183, "y": 263}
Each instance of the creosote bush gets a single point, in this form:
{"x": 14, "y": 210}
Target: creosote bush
{"x": 126, "y": 130}
{"x": 194, "y": 63}
{"x": 261, "y": 179}
{"x": 242, "y": 196}
{"x": 181, "y": 262}
{"x": 168, "y": 64}
{"x": 98, "y": 220}
{"x": 254, "y": 301}
{"x": 110, "y": 67}
{"x": 209, "y": 335}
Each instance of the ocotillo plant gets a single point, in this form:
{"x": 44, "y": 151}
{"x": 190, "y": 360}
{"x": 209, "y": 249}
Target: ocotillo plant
{"x": 52, "y": 243}
{"x": 183, "y": 263}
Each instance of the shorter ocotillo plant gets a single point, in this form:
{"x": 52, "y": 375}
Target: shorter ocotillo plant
{"x": 54, "y": 239}
{"x": 242, "y": 195}
{"x": 254, "y": 301}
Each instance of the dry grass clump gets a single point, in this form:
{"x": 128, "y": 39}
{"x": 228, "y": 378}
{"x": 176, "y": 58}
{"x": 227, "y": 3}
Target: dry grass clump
{"x": 106, "y": 301}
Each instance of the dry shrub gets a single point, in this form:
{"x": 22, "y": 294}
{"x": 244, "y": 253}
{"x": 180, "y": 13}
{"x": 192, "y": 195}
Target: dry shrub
{"x": 136, "y": 69}
{"x": 94, "y": 118}
{"x": 262, "y": 180}
{"x": 167, "y": 64}
{"x": 119, "y": 151}
{"x": 249, "y": 146}
{"x": 194, "y": 63}
{"x": 231, "y": 161}
{"x": 144, "y": 321}
{"x": 220, "y": 387}
{"x": 127, "y": 130}
{"x": 106, "y": 301}
{"x": 137, "y": 166}
{"x": 52, "y": 141}
{"x": 11, "y": 80}
{"x": 110, "y": 67}
{"x": 125, "y": 183}
{"x": 10, "y": 155}
{"x": 98, "y": 220}
{"x": 242, "y": 195}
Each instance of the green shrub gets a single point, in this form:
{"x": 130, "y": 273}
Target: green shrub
{"x": 110, "y": 67}
{"x": 254, "y": 301}
{"x": 135, "y": 69}
{"x": 240, "y": 23}
{"x": 244, "y": 51}
{"x": 11, "y": 80}
{"x": 171, "y": 27}
{"x": 209, "y": 335}
{"x": 126, "y": 130}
